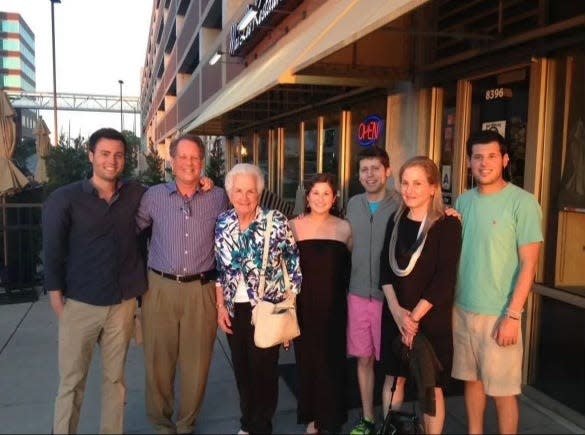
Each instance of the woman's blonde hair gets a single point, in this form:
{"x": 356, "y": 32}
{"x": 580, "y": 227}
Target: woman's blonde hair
{"x": 436, "y": 208}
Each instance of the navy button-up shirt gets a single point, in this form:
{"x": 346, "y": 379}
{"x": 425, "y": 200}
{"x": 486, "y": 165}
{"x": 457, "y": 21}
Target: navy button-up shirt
{"x": 90, "y": 247}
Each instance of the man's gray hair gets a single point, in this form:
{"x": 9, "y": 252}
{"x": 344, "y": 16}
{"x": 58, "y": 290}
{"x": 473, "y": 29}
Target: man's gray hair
{"x": 244, "y": 169}
{"x": 191, "y": 138}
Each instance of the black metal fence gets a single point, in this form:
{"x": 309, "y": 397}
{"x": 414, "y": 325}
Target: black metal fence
{"x": 20, "y": 252}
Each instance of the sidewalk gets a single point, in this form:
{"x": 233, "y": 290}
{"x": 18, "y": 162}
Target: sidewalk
{"x": 29, "y": 379}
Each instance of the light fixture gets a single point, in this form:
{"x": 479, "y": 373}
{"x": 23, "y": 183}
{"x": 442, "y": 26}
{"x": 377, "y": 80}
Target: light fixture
{"x": 248, "y": 17}
{"x": 215, "y": 57}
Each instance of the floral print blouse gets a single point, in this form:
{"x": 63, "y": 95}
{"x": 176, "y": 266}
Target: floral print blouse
{"x": 239, "y": 254}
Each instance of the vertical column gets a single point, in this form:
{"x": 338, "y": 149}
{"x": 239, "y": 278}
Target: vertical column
{"x": 320, "y": 144}
{"x": 395, "y": 124}
{"x": 345, "y": 156}
{"x": 272, "y": 140}
{"x": 255, "y": 148}
{"x": 462, "y": 127}
{"x": 302, "y": 153}
{"x": 230, "y": 152}
{"x": 279, "y": 160}
{"x": 435, "y": 116}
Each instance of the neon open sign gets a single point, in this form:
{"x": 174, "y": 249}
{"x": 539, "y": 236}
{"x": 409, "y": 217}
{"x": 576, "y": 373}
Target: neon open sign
{"x": 370, "y": 130}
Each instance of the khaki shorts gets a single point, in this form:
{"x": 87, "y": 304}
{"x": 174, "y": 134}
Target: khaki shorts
{"x": 477, "y": 356}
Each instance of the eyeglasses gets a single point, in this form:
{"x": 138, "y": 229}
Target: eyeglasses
{"x": 186, "y": 208}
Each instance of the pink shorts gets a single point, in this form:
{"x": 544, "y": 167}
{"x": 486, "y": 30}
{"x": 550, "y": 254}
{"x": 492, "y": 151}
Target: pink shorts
{"x": 364, "y": 326}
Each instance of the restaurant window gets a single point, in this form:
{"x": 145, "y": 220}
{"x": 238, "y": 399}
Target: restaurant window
{"x": 447, "y": 137}
{"x": 245, "y": 149}
{"x": 331, "y": 143}
{"x": 565, "y": 232}
{"x": 559, "y": 369}
{"x": 558, "y": 360}
{"x": 263, "y": 154}
{"x": 311, "y": 149}
{"x": 292, "y": 148}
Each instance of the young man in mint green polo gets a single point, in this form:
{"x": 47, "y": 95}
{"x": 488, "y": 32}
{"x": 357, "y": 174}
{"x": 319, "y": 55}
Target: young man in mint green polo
{"x": 502, "y": 237}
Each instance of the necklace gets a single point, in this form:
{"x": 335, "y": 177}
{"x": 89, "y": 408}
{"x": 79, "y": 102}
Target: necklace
{"x": 415, "y": 255}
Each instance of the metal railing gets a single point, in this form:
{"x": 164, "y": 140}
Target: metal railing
{"x": 20, "y": 254}
{"x": 76, "y": 102}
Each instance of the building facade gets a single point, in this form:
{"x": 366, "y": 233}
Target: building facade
{"x": 305, "y": 84}
{"x": 17, "y": 69}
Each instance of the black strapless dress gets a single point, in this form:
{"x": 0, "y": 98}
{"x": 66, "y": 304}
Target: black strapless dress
{"x": 321, "y": 348}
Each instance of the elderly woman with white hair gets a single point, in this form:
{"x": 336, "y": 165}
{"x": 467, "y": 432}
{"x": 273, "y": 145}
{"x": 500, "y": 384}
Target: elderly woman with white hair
{"x": 239, "y": 243}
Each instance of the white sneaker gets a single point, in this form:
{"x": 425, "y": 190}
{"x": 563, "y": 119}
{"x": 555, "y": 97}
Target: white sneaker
{"x": 242, "y": 432}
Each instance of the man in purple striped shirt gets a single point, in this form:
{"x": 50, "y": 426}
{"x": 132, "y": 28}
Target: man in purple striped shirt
{"x": 178, "y": 310}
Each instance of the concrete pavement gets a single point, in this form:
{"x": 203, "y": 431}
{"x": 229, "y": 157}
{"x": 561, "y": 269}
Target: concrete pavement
{"x": 29, "y": 379}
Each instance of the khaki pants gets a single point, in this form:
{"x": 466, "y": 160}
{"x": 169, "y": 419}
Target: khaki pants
{"x": 179, "y": 322}
{"x": 81, "y": 326}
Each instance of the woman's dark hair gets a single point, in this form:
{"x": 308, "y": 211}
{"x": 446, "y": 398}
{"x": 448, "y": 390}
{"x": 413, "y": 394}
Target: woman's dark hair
{"x": 324, "y": 177}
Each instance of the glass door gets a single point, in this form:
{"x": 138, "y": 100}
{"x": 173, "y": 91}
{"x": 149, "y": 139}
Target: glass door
{"x": 500, "y": 103}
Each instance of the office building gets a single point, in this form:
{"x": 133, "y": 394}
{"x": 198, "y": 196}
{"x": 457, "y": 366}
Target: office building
{"x": 17, "y": 69}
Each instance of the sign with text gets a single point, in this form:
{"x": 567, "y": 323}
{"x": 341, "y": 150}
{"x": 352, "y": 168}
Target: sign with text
{"x": 370, "y": 130}
{"x": 264, "y": 11}
{"x": 498, "y": 93}
{"x": 497, "y": 126}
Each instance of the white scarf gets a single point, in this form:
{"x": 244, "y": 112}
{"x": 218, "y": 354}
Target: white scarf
{"x": 415, "y": 255}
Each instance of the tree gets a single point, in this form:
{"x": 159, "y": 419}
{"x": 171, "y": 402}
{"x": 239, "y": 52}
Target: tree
{"x": 23, "y": 150}
{"x": 133, "y": 146}
{"x": 215, "y": 163}
{"x": 79, "y": 142}
{"x": 153, "y": 174}
{"x": 66, "y": 165}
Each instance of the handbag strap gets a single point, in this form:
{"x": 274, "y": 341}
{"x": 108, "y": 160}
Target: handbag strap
{"x": 392, "y": 389}
{"x": 267, "y": 232}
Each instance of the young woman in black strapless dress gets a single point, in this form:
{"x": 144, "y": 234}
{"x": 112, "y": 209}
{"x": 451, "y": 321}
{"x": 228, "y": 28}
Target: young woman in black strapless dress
{"x": 324, "y": 243}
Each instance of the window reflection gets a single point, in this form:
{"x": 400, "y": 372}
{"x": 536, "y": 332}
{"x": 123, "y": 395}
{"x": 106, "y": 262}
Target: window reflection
{"x": 291, "y": 161}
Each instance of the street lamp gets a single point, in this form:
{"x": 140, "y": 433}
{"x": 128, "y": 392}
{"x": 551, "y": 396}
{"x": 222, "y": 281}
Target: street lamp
{"x": 54, "y": 70}
{"x": 121, "y": 116}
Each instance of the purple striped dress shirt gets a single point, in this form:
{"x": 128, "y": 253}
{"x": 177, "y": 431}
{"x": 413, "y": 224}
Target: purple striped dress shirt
{"x": 182, "y": 241}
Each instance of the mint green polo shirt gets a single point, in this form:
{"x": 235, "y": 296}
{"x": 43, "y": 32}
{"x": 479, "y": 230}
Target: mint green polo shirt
{"x": 494, "y": 227}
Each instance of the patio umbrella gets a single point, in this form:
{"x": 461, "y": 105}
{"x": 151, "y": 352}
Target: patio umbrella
{"x": 43, "y": 144}
{"x": 11, "y": 179}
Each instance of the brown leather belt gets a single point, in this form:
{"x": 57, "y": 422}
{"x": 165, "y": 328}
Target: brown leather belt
{"x": 204, "y": 277}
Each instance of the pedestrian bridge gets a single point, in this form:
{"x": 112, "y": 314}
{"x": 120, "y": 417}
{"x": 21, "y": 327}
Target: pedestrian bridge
{"x": 75, "y": 102}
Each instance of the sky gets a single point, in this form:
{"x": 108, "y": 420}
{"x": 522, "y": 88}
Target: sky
{"x": 97, "y": 43}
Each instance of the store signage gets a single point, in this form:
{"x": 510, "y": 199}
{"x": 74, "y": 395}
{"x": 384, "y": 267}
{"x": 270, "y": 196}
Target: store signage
{"x": 497, "y": 93}
{"x": 264, "y": 9}
{"x": 370, "y": 130}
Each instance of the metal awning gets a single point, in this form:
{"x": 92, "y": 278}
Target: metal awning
{"x": 330, "y": 28}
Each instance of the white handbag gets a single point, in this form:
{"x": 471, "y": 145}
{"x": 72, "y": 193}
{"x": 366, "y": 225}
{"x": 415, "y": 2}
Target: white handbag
{"x": 274, "y": 323}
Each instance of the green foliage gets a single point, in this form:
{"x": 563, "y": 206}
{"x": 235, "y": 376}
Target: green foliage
{"x": 215, "y": 168}
{"x": 153, "y": 174}
{"x": 66, "y": 165}
{"x": 79, "y": 142}
{"x": 23, "y": 150}
{"x": 131, "y": 164}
